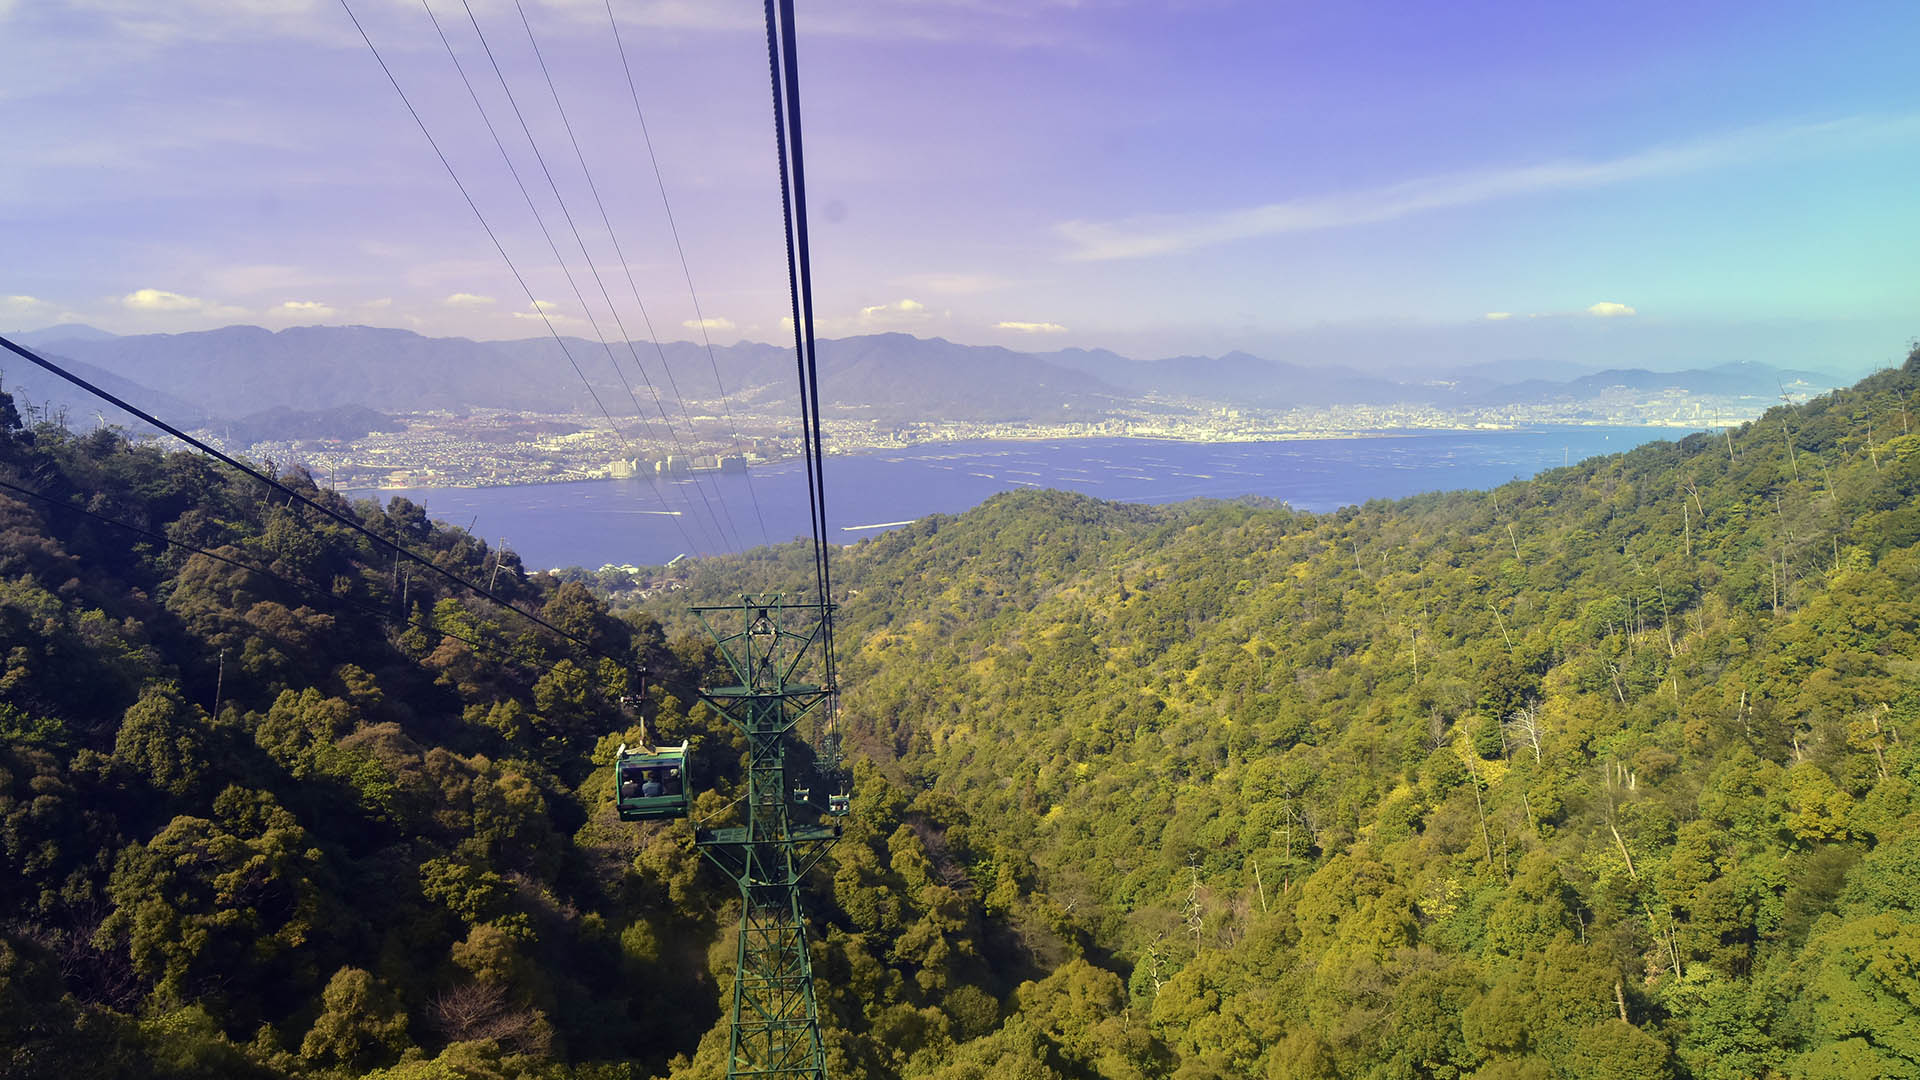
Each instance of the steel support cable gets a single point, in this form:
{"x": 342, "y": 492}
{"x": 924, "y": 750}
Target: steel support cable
{"x": 793, "y": 292}
{"x": 315, "y": 590}
{"x": 497, "y": 246}
{"x": 627, "y": 268}
{"x": 399, "y": 550}
{"x": 514, "y": 171}
{"x": 803, "y": 328}
{"x": 733, "y": 428}
{"x": 786, "y": 97}
{"x": 830, "y": 725}
{"x": 567, "y": 215}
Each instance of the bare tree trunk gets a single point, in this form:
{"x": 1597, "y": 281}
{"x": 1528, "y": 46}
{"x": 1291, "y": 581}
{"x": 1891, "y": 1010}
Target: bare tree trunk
{"x": 1622, "y": 844}
{"x": 1502, "y": 623}
{"x": 1485, "y": 837}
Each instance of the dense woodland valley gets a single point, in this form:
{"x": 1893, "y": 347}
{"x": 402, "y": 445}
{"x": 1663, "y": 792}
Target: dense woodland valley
{"x": 1607, "y": 774}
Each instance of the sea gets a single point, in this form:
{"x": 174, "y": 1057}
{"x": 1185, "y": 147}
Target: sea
{"x": 650, "y": 520}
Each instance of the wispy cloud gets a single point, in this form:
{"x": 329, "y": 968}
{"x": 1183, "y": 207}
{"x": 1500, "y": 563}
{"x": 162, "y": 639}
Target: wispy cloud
{"x": 543, "y": 309}
{"x": 468, "y": 300}
{"x": 161, "y": 300}
{"x": 548, "y": 313}
{"x": 895, "y": 309}
{"x": 715, "y": 323}
{"x": 24, "y": 306}
{"x": 306, "y": 309}
{"x": 1497, "y": 316}
{"x": 1607, "y": 309}
{"x": 1031, "y": 327}
{"x": 1167, "y": 234}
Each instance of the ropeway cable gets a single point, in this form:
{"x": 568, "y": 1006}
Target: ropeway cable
{"x": 567, "y": 215}
{"x": 313, "y": 590}
{"x": 508, "y": 259}
{"x": 606, "y": 220}
{"x": 399, "y": 550}
{"x": 733, "y": 428}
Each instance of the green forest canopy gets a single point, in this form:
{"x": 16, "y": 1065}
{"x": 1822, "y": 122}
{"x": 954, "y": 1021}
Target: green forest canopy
{"x": 1609, "y": 773}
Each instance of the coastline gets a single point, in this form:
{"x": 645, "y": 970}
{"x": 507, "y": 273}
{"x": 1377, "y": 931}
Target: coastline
{"x": 1038, "y": 437}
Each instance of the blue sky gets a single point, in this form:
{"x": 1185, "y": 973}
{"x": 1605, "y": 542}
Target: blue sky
{"x": 1340, "y": 183}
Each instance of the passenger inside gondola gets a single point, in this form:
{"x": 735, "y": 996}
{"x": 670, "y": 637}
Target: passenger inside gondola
{"x": 630, "y": 783}
{"x": 652, "y": 788}
{"x": 672, "y": 785}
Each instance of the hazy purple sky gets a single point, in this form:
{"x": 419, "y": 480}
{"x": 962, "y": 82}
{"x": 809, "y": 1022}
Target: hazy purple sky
{"x": 1371, "y": 183}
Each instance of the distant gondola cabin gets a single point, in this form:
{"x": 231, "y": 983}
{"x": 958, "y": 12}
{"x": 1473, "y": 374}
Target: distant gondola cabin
{"x": 651, "y": 784}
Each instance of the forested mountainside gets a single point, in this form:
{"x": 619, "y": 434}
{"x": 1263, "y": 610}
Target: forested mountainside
{"x": 1606, "y": 774}
{"x": 1609, "y": 773}
{"x": 253, "y": 823}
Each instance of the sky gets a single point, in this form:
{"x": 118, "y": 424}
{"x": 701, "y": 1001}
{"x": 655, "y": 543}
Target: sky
{"x": 1396, "y": 186}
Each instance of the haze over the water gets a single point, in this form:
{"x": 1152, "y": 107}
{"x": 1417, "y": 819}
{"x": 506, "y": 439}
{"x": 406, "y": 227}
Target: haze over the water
{"x": 1388, "y": 186}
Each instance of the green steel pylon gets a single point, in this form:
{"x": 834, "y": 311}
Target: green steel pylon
{"x": 776, "y": 1024}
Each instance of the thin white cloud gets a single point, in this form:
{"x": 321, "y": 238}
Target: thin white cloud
{"x": 715, "y": 323}
{"x": 468, "y": 300}
{"x": 548, "y": 315}
{"x": 1167, "y": 234}
{"x": 161, "y": 300}
{"x": 24, "y": 306}
{"x": 1607, "y": 309}
{"x": 1031, "y": 327}
{"x": 546, "y": 305}
{"x": 895, "y": 309}
{"x": 311, "y": 309}
{"x": 1497, "y": 316}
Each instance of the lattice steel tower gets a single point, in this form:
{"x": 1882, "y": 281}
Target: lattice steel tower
{"x": 776, "y": 1025}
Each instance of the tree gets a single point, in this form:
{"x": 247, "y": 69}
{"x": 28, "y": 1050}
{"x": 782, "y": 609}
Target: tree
{"x": 226, "y": 910}
{"x": 361, "y": 1023}
{"x": 1865, "y": 1000}
{"x": 164, "y": 740}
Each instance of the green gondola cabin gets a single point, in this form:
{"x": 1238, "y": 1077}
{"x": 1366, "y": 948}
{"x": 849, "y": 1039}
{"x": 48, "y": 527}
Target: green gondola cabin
{"x": 651, "y": 784}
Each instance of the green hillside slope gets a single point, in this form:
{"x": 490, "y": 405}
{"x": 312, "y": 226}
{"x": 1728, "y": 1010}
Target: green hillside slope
{"x": 1608, "y": 773}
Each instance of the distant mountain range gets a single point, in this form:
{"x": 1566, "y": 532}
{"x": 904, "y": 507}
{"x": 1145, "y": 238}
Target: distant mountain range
{"x": 233, "y": 374}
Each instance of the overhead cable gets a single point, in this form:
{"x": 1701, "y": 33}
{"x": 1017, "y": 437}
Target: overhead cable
{"x": 400, "y": 550}
{"x": 606, "y": 220}
{"x": 567, "y": 215}
{"x": 569, "y": 273}
{"x": 699, "y": 316}
{"x": 784, "y": 61}
{"x": 313, "y": 590}
{"x": 497, "y": 246}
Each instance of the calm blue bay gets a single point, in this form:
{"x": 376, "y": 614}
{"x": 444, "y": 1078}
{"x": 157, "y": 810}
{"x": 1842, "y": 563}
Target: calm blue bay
{"x": 623, "y": 521}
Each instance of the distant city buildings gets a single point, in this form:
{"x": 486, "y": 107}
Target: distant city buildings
{"x": 441, "y": 449}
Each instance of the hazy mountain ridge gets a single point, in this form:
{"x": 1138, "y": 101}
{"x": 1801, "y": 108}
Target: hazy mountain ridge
{"x": 242, "y": 370}
{"x": 50, "y": 397}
